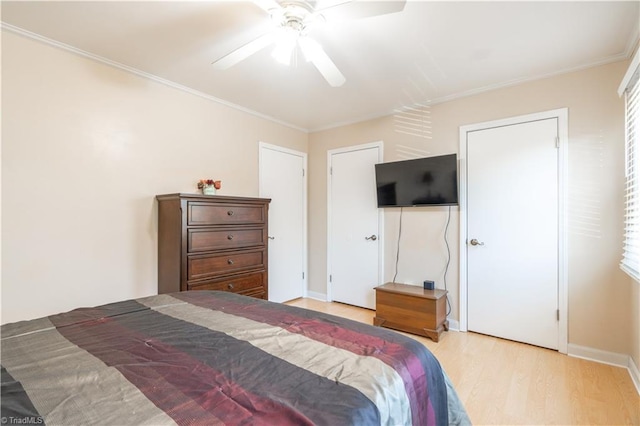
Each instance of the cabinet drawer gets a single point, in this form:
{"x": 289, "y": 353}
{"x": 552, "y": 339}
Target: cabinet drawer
{"x": 200, "y": 240}
{"x": 200, "y": 267}
{"x": 222, "y": 214}
{"x": 245, "y": 283}
{"x": 258, "y": 293}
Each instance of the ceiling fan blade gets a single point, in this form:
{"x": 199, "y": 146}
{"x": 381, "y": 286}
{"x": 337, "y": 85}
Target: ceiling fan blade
{"x": 243, "y": 52}
{"x": 268, "y": 5}
{"x": 360, "y": 9}
{"x": 329, "y": 71}
{"x": 314, "y": 53}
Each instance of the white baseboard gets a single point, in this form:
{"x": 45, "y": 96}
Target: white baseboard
{"x": 454, "y": 325}
{"x": 605, "y": 357}
{"x": 316, "y": 295}
{"x": 635, "y": 374}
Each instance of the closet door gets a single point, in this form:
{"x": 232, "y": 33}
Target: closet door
{"x": 513, "y": 232}
{"x": 354, "y": 225}
{"x": 283, "y": 179}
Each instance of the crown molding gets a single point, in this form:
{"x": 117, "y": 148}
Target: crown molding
{"x": 28, "y": 34}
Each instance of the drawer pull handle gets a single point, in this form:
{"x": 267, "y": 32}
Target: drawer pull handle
{"x": 229, "y": 237}
{"x": 230, "y": 212}
{"x": 230, "y": 261}
{"x": 230, "y": 286}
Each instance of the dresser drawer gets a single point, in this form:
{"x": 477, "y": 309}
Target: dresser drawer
{"x": 245, "y": 283}
{"x": 258, "y": 293}
{"x": 200, "y": 240}
{"x": 199, "y": 213}
{"x": 201, "y": 267}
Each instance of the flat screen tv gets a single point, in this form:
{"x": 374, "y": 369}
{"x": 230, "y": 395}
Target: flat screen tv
{"x": 429, "y": 181}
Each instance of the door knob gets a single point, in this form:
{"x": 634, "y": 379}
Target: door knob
{"x": 372, "y": 238}
{"x": 475, "y": 242}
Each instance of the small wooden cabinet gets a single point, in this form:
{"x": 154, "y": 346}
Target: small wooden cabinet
{"x": 209, "y": 242}
{"x": 412, "y": 309}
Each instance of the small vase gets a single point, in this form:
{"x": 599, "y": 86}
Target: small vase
{"x": 209, "y": 190}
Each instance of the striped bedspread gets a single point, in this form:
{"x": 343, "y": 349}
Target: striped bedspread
{"x": 206, "y": 358}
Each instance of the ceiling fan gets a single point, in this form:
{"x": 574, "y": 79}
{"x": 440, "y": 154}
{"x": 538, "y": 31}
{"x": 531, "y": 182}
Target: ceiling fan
{"x": 292, "y": 20}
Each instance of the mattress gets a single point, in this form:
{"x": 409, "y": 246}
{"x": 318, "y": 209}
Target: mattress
{"x": 207, "y": 357}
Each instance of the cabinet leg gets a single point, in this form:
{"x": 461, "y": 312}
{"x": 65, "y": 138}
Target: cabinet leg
{"x": 433, "y": 334}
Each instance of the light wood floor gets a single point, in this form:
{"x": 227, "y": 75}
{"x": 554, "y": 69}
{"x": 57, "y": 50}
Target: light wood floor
{"x": 504, "y": 382}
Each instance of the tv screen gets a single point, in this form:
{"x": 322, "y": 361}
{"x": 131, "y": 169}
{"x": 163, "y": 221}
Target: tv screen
{"x": 430, "y": 181}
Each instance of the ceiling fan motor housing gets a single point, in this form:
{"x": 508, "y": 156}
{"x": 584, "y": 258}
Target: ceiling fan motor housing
{"x": 294, "y": 15}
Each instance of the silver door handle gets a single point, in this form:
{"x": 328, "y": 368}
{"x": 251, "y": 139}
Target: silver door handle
{"x": 372, "y": 238}
{"x": 475, "y": 242}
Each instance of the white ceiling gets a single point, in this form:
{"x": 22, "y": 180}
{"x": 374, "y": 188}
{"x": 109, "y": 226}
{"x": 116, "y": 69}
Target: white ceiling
{"x": 428, "y": 53}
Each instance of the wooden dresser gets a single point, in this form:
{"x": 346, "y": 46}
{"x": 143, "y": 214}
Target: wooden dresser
{"x": 210, "y": 242}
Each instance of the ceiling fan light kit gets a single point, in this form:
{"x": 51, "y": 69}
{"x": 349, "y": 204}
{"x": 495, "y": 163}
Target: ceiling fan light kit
{"x": 291, "y": 21}
{"x": 286, "y": 41}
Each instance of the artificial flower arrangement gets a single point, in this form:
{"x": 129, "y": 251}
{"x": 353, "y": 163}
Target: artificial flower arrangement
{"x": 217, "y": 184}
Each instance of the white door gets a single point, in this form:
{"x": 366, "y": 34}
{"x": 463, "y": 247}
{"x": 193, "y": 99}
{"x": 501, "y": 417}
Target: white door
{"x": 513, "y": 232}
{"x": 354, "y": 231}
{"x": 282, "y": 179}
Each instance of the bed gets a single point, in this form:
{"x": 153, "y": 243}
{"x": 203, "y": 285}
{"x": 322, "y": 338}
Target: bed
{"x": 208, "y": 357}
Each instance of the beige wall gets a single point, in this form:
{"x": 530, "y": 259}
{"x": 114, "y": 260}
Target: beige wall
{"x": 600, "y": 314}
{"x": 86, "y": 147}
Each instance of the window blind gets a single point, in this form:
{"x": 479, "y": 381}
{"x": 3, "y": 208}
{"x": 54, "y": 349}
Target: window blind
{"x": 631, "y": 248}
